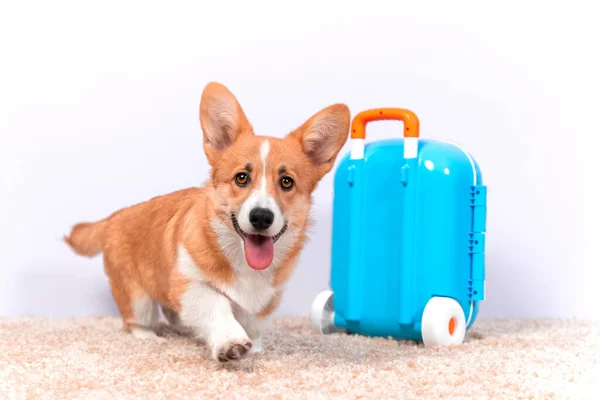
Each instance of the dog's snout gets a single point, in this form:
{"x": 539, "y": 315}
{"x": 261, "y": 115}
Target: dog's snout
{"x": 261, "y": 218}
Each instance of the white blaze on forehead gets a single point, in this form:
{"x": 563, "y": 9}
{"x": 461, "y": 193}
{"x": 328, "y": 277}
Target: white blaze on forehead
{"x": 261, "y": 198}
{"x": 264, "y": 153}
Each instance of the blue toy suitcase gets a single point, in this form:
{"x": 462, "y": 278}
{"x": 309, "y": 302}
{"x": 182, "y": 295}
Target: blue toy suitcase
{"x": 409, "y": 221}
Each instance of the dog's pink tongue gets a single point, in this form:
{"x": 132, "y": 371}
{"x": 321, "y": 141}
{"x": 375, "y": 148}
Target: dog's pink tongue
{"x": 259, "y": 251}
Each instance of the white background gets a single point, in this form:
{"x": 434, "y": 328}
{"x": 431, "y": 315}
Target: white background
{"x": 98, "y": 110}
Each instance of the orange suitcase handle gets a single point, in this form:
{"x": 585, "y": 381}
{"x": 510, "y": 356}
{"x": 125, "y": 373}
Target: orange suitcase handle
{"x": 410, "y": 119}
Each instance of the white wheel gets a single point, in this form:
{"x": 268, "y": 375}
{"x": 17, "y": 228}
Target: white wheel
{"x": 443, "y": 322}
{"x": 321, "y": 314}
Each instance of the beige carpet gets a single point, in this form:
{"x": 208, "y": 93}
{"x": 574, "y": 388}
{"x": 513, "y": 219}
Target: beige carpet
{"x": 90, "y": 358}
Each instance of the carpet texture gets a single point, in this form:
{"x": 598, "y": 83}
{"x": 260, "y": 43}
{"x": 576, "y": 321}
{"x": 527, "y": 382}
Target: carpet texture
{"x": 91, "y": 358}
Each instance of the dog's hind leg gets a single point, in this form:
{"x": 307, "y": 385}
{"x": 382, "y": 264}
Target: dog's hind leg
{"x": 137, "y": 308}
{"x": 175, "y": 323}
{"x": 146, "y": 318}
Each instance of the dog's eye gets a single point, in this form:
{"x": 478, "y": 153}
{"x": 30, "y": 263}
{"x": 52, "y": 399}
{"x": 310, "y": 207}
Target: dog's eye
{"x": 241, "y": 179}
{"x": 286, "y": 183}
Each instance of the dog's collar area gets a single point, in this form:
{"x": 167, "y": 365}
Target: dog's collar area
{"x": 244, "y": 235}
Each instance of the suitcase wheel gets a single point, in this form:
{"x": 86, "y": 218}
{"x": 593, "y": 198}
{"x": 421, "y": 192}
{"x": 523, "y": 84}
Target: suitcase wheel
{"x": 321, "y": 314}
{"x": 443, "y": 322}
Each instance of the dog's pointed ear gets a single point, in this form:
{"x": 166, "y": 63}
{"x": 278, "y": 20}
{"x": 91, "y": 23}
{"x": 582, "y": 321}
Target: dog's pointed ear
{"x": 323, "y": 135}
{"x": 222, "y": 120}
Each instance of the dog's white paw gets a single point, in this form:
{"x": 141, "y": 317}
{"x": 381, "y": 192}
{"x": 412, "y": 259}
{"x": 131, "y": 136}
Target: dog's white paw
{"x": 233, "y": 350}
{"x": 257, "y": 346}
{"x": 146, "y": 334}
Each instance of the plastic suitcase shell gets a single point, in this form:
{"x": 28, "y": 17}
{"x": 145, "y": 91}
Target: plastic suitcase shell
{"x": 408, "y": 239}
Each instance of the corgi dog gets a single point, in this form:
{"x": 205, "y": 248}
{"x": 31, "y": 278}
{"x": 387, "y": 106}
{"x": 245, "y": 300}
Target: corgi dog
{"x": 215, "y": 258}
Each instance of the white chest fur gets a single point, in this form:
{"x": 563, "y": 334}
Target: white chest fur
{"x": 251, "y": 290}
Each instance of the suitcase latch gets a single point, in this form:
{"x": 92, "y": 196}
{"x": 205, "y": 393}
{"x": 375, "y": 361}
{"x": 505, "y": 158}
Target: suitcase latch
{"x": 350, "y": 176}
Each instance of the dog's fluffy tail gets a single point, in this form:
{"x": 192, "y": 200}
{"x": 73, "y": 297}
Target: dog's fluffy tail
{"x": 86, "y": 238}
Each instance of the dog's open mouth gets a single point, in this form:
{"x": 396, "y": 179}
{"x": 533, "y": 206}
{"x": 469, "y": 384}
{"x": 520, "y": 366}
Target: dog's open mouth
{"x": 258, "y": 248}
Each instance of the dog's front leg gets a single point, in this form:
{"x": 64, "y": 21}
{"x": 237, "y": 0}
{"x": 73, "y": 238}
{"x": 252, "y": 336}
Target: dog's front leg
{"x": 211, "y": 315}
{"x": 254, "y": 325}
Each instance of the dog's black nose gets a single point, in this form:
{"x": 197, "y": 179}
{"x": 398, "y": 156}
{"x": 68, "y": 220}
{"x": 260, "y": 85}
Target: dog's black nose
{"x": 261, "y": 218}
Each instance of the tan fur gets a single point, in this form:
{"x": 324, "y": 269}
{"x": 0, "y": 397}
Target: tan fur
{"x": 86, "y": 238}
{"x": 140, "y": 243}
